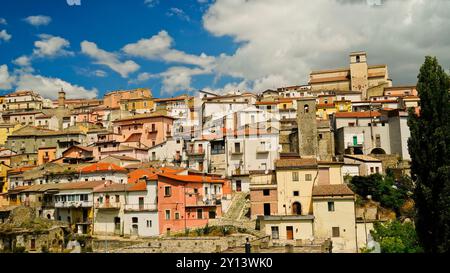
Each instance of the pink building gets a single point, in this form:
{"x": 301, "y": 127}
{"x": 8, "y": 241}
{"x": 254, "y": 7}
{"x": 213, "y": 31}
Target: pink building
{"x": 112, "y": 99}
{"x": 188, "y": 201}
{"x": 144, "y": 129}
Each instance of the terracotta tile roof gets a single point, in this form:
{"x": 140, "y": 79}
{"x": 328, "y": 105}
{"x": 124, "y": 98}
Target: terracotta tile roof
{"x": 294, "y": 163}
{"x": 135, "y": 175}
{"x": 325, "y": 105}
{"x": 266, "y": 103}
{"x": 366, "y": 114}
{"x": 102, "y": 167}
{"x": 114, "y": 188}
{"x": 143, "y": 116}
{"x": 191, "y": 178}
{"x": 330, "y": 71}
{"x": 332, "y": 190}
{"x": 139, "y": 186}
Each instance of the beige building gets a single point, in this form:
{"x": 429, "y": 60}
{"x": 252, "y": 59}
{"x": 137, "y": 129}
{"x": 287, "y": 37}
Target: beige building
{"x": 359, "y": 76}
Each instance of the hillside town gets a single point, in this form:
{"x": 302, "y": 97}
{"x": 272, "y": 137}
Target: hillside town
{"x": 274, "y": 166}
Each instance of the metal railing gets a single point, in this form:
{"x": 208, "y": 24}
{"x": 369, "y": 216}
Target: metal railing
{"x": 108, "y": 205}
{"x": 141, "y": 207}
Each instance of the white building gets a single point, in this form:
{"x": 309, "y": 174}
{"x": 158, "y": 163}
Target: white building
{"x": 104, "y": 171}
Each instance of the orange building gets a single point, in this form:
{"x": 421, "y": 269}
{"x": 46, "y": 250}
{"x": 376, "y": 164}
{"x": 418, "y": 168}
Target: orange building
{"x": 46, "y": 155}
{"x": 112, "y": 99}
{"x": 188, "y": 201}
{"x": 146, "y": 129}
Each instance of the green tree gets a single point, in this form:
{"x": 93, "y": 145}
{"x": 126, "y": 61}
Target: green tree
{"x": 395, "y": 237}
{"x": 383, "y": 189}
{"x": 429, "y": 146}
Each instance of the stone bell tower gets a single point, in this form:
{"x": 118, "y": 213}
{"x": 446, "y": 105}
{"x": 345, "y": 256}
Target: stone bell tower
{"x": 307, "y": 127}
{"x": 61, "y": 99}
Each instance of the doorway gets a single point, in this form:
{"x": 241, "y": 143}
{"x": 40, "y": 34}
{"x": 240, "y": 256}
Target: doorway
{"x": 296, "y": 208}
{"x": 266, "y": 208}
{"x": 238, "y": 185}
{"x": 290, "y": 233}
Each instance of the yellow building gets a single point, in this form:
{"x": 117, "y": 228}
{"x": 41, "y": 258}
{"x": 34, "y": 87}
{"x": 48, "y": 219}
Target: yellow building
{"x": 3, "y": 177}
{"x": 334, "y": 216}
{"x": 6, "y": 130}
{"x": 138, "y": 105}
{"x": 295, "y": 180}
{"x": 343, "y": 105}
{"x": 324, "y": 111}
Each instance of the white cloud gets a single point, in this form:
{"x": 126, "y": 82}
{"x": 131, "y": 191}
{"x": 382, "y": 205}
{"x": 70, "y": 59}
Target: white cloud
{"x": 179, "y": 78}
{"x": 143, "y": 77}
{"x": 178, "y": 13}
{"x": 6, "y": 80}
{"x": 158, "y": 47}
{"x": 109, "y": 59}
{"x": 5, "y": 36}
{"x": 38, "y": 20}
{"x": 22, "y": 61}
{"x": 3, "y": 21}
{"x": 151, "y": 3}
{"x": 51, "y": 46}
{"x": 49, "y": 87}
{"x": 100, "y": 73}
{"x": 280, "y": 42}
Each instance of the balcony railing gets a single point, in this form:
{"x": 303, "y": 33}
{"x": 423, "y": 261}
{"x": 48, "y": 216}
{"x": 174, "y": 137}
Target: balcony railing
{"x": 114, "y": 205}
{"x": 141, "y": 207}
{"x": 236, "y": 152}
{"x": 195, "y": 151}
{"x": 73, "y": 204}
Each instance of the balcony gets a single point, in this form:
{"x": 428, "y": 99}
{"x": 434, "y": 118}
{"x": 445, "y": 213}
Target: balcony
{"x": 73, "y": 204}
{"x": 141, "y": 207}
{"x": 351, "y": 144}
{"x": 262, "y": 150}
{"x": 237, "y": 152}
{"x": 238, "y": 171}
{"x": 107, "y": 205}
{"x": 197, "y": 152}
{"x": 201, "y": 202}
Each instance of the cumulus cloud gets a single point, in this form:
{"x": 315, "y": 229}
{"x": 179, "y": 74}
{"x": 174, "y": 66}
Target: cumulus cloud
{"x": 5, "y": 36}
{"x": 3, "y": 21}
{"x": 51, "y": 46}
{"x": 280, "y": 42}
{"x": 38, "y": 20}
{"x": 48, "y": 87}
{"x": 159, "y": 47}
{"x": 179, "y": 78}
{"x": 6, "y": 80}
{"x": 108, "y": 59}
{"x": 22, "y": 61}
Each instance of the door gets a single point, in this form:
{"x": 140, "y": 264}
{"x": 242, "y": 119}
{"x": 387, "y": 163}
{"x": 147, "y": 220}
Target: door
{"x": 107, "y": 201}
{"x": 266, "y": 208}
{"x": 290, "y": 233}
{"x": 116, "y": 225}
{"x": 141, "y": 203}
{"x": 238, "y": 185}
{"x": 355, "y": 140}
{"x": 135, "y": 226}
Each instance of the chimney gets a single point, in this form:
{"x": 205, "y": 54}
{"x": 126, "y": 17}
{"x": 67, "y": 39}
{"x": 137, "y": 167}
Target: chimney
{"x": 61, "y": 99}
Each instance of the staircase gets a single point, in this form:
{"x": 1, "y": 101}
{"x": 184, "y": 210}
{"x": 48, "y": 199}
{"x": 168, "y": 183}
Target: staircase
{"x": 238, "y": 204}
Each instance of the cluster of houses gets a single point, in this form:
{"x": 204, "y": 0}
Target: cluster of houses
{"x": 132, "y": 164}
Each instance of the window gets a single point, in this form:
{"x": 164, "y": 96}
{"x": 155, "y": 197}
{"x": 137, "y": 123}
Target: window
{"x": 177, "y": 215}
{"x": 117, "y": 198}
{"x": 149, "y": 223}
{"x": 330, "y": 206}
{"x": 335, "y": 231}
{"x": 167, "y": 214}
{"x": 167, "y": 191}
{"x": 199, "y": 214}
{"x": 358, "y": 59}
{"x": 266, "y": 192}
{"x": 377, "y": 169}
{"x": 275, "y": 233}
{"x": 134, "y": 220}
{"x": 294, "y": 176}
{"x": 296, "y": 193}
{"x": 308, "y": 177}
{"x": 371, "y": 169}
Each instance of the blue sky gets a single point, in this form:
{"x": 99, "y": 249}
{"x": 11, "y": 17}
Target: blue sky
{"x": 179, "y": 46}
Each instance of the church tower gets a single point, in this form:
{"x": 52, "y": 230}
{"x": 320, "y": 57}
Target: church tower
{"x": 61, "y": 99}
{"x": 307, "y": 127}
{"x": 359, "y": 72}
